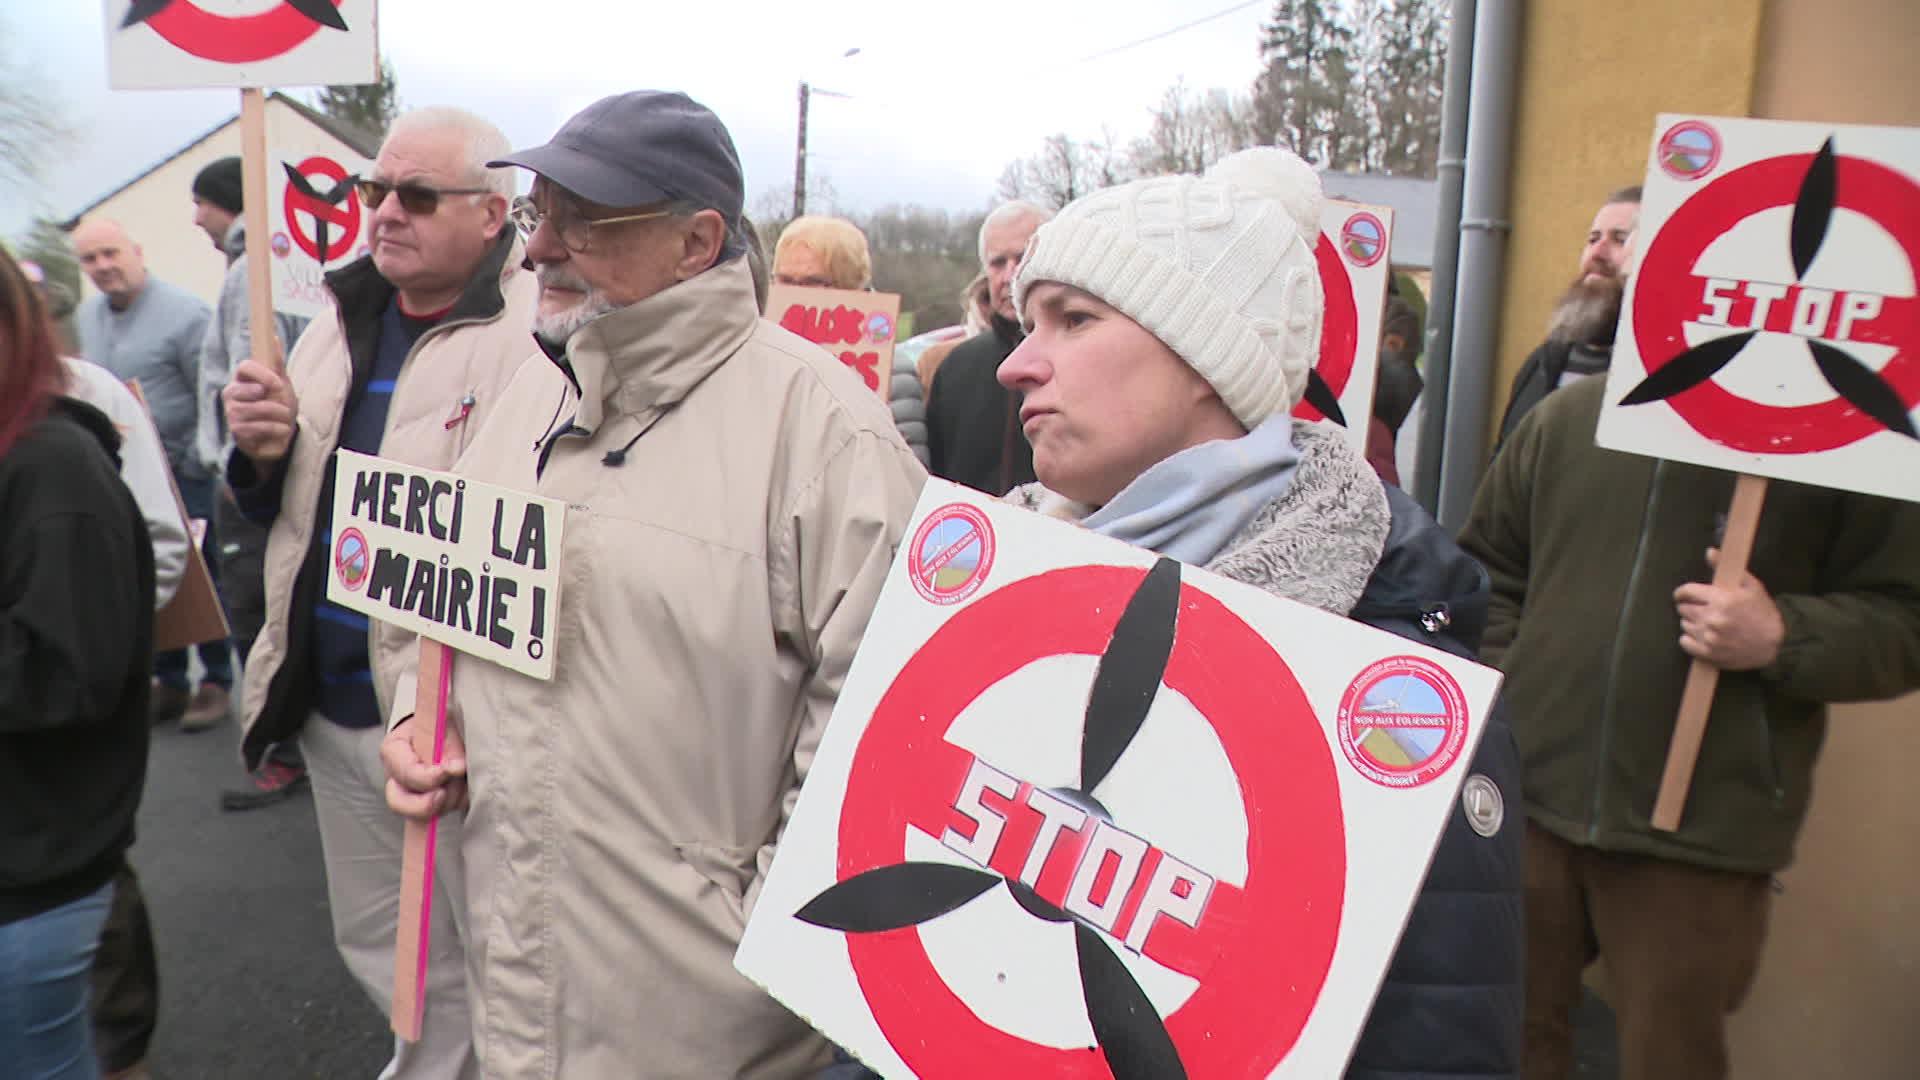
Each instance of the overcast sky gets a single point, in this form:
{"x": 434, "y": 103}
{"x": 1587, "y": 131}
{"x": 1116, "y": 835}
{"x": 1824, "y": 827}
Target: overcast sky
{"x": 943, "y": 95}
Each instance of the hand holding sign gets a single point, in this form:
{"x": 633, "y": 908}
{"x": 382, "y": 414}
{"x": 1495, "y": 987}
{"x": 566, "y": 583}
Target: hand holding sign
{"x": 261, "y": 411}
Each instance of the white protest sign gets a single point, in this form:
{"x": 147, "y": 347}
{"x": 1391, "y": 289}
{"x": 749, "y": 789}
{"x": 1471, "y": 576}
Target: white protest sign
{"x": 1075, "y": 796}
{"x": 162, "y": 44}
{"x": 1352, "y": 252}
{"x": 1771, "y": 325}
{"x": 316, "y": 221}
{"x": 473, "y": 566}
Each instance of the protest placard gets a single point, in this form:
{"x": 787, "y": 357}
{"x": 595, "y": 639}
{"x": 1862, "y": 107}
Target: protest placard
{"x": 164, "y": 44}
{"x": 1771, "y": 324}
{"x": 317, "y": 223}
{"x": 1077, "y": 796}
{"x": 1769, "y": 328}
{"x": 858, "y": 327}
{"x": 470, "y": 565}
{"x": 1353, "y": 255}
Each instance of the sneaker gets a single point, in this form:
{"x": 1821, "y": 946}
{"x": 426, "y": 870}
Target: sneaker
{"x": 206, "y": 710}
{"x": 273, "y": 782}
{"x": 166, "y": 704}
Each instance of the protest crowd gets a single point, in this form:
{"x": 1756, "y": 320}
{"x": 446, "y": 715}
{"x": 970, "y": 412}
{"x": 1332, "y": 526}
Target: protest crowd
{"x": 735, "y": 499}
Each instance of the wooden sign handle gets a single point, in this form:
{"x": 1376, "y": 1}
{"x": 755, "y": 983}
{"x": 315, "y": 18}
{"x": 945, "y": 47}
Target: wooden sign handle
{"x": 1736, "y": 548}
{"x": 253, "y": 189}
{"x": 432, "y": 741}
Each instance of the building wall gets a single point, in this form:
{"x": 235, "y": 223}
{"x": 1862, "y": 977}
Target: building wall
{"x": 1837, "y": 989}
{"x": 1591, "y": 79}
{"x": 157, "y": 211}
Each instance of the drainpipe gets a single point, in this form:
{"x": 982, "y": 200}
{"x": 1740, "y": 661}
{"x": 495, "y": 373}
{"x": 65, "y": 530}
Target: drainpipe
{"x": 1446, "y": 252}
{"x": 1483, "y": 255}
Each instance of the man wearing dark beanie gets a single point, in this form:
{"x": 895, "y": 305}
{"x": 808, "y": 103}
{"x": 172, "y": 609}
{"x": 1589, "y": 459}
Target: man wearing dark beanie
{"x": 217, "y": 205}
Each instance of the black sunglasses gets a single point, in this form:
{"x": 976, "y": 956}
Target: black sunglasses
{"x": 415, "y": 198}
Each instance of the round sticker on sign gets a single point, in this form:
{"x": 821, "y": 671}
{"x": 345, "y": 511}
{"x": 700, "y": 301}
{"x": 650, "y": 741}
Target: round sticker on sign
{"x": 352, "y": 560}
{"x": 1364, "y": 239}
{"x": 952, "y": 552}
{"x": 1402, "y": 722}
{"x": 1689, "y": 150}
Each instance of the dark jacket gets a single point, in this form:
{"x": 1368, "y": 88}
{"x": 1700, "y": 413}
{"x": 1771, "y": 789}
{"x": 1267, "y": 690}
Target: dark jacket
{"x": 1540, "y": 375}
{"x": 1586, "y": 547}
{"x": 283, "y": 655}
{"x": 973, "y": 423}
{"x": 76, "y": 646}
{"x": 1452, "y": 1001}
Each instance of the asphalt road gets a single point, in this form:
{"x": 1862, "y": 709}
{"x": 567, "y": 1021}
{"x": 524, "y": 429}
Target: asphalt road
{"x": 250, "y": 984}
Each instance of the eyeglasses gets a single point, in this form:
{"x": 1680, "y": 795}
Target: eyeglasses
{"x": 574, "y": 230}
{"x": 415, "y": 198}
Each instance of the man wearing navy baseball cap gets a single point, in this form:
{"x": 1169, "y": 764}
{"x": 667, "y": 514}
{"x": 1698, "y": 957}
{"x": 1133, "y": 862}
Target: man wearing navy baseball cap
{"x": 735, "y": 496}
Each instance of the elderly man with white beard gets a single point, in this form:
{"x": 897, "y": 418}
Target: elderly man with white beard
{"x": 1580, "y": 333}
{"x": 424, "y": 334}
{"x": 734, "y": 498}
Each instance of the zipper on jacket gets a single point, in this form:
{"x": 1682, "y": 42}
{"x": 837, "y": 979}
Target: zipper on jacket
{"x": 1614, "y": 660}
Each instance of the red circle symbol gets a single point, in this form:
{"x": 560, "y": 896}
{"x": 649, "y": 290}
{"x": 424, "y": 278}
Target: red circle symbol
{"x": 1668, "y": 290}
{"x": 1403, "y": 722}
{"x": 951, "y": 553}
{"x": 1364, "y": 239}
{"x": 1689, "y": 150}
{"x": 352, "y": 558}
{"x": 1339, "y": 329}
{"x": 1268, "y": 940}
{"x": 233, "y": 39}
{"x": 343, "y": 218}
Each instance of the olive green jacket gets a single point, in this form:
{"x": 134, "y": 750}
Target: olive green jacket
{"x": 1586, "y": 546}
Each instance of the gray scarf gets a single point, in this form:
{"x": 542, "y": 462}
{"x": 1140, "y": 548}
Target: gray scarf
{"x": 1189, "y": 505}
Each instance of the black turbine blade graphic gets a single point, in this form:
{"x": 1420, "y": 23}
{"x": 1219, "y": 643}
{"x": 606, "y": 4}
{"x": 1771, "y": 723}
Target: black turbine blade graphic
{"x": 1035, "y": 905}
{"x": 339, "y": 191}
{"x": 1320, "y": 396}
{"x": 1132, "y": 1036}
{"x": 890, "y": 897}
{"x": 299, "y": 181}
{"x": 1813, "y": 210}
{"x": 1129, "y": 673}
{"x": 1689, "y": 369}
{"x": 319, "y": 11}
{"x": 142, "y": 10}
{"x": 1865, "y": 389}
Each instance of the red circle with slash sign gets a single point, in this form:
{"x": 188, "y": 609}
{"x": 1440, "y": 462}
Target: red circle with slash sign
{"x": 352, "y": 558}
{"x": 344, "y": 216}
{"x": 1339, "y": 328}
{"x": 1268, "y": 941}
{"x": 233, "y": 39}
{"x": 1667, "y": 291}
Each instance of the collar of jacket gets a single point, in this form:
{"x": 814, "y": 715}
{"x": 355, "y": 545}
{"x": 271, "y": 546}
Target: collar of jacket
{"x": 235, "y": 245}
{"x": 361, "y": 294}
{"x": 1007, "y": 330}
{"x": 651, "y": 354}
{"x": 96, "y": 423}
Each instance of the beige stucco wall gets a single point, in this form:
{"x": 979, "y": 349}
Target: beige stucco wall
{"x": 1839, "y": 989}
{"x": 1592, "y": 76}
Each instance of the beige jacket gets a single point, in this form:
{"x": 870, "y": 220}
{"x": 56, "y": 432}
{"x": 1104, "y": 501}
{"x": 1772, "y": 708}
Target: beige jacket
{"x": 473, "y": 353}
{"x": 714, "y": 588}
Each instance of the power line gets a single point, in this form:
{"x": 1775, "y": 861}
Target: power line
{"x": 1102, "y": 54}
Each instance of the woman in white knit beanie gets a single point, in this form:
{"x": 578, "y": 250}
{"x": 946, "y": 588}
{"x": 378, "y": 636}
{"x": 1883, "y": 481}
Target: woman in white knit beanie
{"x": 1171, "y": 323}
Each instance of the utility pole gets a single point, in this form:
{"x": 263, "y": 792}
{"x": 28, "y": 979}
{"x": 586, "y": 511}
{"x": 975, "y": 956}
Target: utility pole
{"x": 800, "y": 156}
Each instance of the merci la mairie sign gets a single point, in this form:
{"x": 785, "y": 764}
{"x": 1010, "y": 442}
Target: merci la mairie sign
{"x": 473, "y": 566}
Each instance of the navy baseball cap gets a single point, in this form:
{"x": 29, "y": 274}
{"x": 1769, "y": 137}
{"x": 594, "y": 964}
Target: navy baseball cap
{"x": 642, "y": 147}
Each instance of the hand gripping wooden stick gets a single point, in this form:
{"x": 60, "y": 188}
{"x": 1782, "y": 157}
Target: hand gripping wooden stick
{"x": 1736, "y": 547}
{"x": 432, "y": 741}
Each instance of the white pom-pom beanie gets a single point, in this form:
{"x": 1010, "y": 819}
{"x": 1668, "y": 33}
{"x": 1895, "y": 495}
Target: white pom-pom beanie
{"x": 1219, "y": 267}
